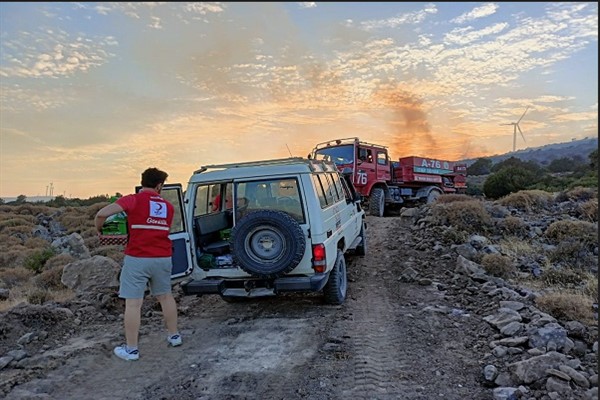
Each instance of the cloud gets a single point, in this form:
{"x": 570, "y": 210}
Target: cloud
{"x": 53, "y": 53}
{"x": 476, "y": 13}
{"x": 464, "y": 36}
{"x": 407, "y": 18}
{"x": 307, "y": 4}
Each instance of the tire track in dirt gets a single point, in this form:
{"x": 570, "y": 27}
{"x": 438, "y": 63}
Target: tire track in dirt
{"x": 396, "y": 347}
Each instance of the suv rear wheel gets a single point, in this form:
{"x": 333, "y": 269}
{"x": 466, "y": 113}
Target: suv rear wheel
{"x": 267, "y": 243}
{"x": 337, "y": 284}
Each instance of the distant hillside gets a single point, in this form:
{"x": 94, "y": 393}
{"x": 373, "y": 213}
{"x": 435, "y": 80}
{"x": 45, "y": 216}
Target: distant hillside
{"x": 545, "y": 154}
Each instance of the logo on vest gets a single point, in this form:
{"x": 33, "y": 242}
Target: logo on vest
{"x": 156, "y": 221}
{"x": 158, "y": 209}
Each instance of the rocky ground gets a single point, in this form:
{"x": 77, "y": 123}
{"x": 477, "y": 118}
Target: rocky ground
{"x": 421, "y": 321}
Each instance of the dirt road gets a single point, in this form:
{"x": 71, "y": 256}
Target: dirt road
{"x": 391, "y": 339}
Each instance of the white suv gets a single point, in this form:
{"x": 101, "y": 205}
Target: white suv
{"x": 284, "y": 226}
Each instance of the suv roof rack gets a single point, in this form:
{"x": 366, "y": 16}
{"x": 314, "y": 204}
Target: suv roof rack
{"x": 289, "y": 160}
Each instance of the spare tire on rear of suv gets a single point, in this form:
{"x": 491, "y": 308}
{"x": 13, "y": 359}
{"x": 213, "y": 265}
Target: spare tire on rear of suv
{"x": 267, "y": 243}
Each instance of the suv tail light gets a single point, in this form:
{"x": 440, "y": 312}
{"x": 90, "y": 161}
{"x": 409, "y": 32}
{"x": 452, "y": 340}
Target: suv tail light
{"x": 319, "y": 260}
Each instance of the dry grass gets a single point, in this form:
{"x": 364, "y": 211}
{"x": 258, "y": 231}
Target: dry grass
{"x": 588, "y": 210}
{"x": 13, "y": 277}
{"x": 451, "y": 198}
{"x": 579, "y": 194}
{"x": 498, "y": 265}
{"x": 513, "y": 226}
{"x": 515, "y": 247}
{"x": 470, "y": 216}
{"x": 577, "y": 230}
{"x": 567, "y": 305}
{"x": 528, "y": 200}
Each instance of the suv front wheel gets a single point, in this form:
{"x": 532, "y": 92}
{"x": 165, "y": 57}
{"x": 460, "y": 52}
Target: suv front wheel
{"x": 267, "y": 243}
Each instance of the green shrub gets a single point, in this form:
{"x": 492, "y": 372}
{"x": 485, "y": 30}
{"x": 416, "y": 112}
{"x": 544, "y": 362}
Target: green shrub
{"x": 507, "y": 180}
{"x": 37, "y": 260}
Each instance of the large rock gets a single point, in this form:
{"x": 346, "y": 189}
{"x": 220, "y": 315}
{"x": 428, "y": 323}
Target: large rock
{"x": 91, "y": 274}
{"x": 532, "y": 369}
{"x": 72, "y": 244}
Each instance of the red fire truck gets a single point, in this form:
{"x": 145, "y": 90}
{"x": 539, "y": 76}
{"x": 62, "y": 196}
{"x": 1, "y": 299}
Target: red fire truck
{"x": 384, "y": 183}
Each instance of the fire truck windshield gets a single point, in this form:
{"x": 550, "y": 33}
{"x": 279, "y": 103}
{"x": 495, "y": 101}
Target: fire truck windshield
{"x": 339, "y": 154}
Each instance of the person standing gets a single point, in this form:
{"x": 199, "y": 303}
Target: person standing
{"x": 147, "y": 260}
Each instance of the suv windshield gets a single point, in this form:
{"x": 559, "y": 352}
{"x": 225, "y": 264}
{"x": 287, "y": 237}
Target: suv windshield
{"x": 339, "y": 154}
{"x": 272, "y": 194}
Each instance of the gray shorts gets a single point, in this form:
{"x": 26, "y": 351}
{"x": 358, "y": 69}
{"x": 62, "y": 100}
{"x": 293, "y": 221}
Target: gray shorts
{"x": 139, "y": 273}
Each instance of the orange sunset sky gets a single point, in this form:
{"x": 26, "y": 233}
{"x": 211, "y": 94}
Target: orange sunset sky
{"x": 91, "y": 94}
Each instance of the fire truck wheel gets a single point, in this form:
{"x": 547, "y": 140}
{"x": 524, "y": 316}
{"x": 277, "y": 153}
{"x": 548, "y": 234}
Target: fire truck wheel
{"x": 377, "y": 202}
{"x": 267, "y": 243}
{"x": 433, "y": 195}
{"x": 361, "y": 249}
{"x": 337, "y": 284}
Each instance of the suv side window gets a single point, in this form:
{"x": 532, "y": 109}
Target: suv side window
{"x": 328, "y": 188}
{"x": 201, "y": 206}
{"x": 319, "y": 190}
{"x": 338, "y": 186}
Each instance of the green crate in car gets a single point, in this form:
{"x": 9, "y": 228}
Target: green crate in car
{"x": 225, "y": 234}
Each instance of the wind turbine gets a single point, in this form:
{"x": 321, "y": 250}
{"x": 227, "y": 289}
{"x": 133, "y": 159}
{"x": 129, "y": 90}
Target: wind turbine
{"x": 515, "y": 127}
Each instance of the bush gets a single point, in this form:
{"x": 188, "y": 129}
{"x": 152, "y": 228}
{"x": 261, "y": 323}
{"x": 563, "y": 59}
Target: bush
{"x": 563, "y": 277}
{"x": 513, "y": 226}
{"x": 50, "y": 279}
{"x": 37, "y": 260}
{"x": 567, "y": 306}
{"x": 578, "y": 230}
{"x": 507, "y": 180}
{"x": 498, "y": 265}
{"x": 528, "y": 200}
{"x": 450, "y": 198}
{"x": 13, "y": 277}
{"x": 482, "y": 166}
{"x": 470, "y": 216}
{"x": 38, "y": 296}
{"x": 589, "y": 210}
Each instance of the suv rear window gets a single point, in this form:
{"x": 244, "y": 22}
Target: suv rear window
{"x": 273, "y": 194}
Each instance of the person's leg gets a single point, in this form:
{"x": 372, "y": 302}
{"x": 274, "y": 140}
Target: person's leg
{"x": 160, "y": 286}
{"x": 169, "y": 309}
{"x": 132, "y": 320}
{"x": 133, "y": 283}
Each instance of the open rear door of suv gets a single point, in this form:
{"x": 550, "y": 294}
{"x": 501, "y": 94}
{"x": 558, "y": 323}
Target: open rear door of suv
{"x": 182, "y": 258}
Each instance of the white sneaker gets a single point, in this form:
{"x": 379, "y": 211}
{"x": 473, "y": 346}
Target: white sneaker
{"x": 174, "y": 340}
{"x": 122, "y": 353}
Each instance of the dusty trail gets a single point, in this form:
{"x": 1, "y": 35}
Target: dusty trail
{"x": 383, "y": 343}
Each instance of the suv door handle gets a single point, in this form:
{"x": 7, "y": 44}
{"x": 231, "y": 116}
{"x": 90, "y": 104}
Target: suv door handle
{"x": 329, "y": 233}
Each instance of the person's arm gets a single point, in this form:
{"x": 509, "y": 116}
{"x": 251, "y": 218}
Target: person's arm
{"x": 104, "y": 213}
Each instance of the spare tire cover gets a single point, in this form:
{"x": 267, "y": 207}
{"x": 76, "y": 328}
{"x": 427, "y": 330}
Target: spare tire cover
{"x": 267, "y": 243}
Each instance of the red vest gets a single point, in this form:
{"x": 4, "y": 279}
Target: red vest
{"x": 149, "y": 219}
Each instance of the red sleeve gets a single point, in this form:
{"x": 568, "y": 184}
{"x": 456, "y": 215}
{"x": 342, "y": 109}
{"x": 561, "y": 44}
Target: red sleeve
{"x": 126, "y": 202}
